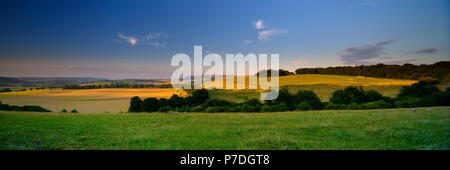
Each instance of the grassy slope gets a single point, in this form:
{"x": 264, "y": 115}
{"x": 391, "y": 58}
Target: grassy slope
{"x": 373, "y": 129}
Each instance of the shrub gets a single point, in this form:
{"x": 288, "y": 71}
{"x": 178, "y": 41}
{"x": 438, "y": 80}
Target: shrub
{"x": 353, "y": 106}
{"x": 372, "y": 95}
{"x": 348, "y": 95}
{"x": 304, "y": 106}
{"x": 215, "y": 109}
{"x": 176, "y": 101}
{"x": 200, "y": 96}
{"x": 216, "y": 102}
{"x": 266, "y": 108}
{"x": 4, "y": 106}
{"x": 163, "y": 102}
{"x": 420, "y": 89}
{"x": 279, "y": 108}
{"x": 437, "y": 99}
{"x": 310, "y": 97}
{"x": 333, "y": 106}
{"x": 74, "y": 111}
{"x": 408, "y": 102}
{"x": 135, "y": 105}
{"x": 235, "y": 109}
{"x": 377, "y": 105}
{"x": 165, "y": 109}
{"x": 247, "y": 108}
{"x": 285, "y": 97}
{"x": 151, "y": 104}
{"x": 253, "y": 102}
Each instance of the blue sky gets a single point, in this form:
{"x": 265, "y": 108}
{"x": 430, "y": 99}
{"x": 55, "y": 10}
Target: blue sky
{"x": 137, "y": 39}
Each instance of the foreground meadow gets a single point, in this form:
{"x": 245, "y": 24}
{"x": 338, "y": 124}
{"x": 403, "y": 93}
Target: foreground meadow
{"x": 363, "y": 129}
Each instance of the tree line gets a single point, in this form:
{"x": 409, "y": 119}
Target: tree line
{"x": 99, "y": 86}
{"x": 7, "y": 107}
{"x": 439, "y": 70}
{"x": 421, "y": 94}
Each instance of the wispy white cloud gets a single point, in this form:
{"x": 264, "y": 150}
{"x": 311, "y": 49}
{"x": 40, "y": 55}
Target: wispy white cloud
{"x": 265, "y": 35}
{"x": 156, "y": 36}
{"x": 151, "y": 39}
{"x": 247, "y": 41}
{"x": 129, "y": 39}
{"x": 157, "y": 44}
{"x": 259, "y": 24}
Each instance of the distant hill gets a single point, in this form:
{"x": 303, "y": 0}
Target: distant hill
{"x": 439, "y": 70}
{"x": 8, "y": 81}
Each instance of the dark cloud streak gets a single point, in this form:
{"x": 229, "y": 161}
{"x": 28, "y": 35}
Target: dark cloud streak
{"x": 359, "y": 54}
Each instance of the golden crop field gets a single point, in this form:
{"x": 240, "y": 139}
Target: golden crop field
{"x": 112, "y": 100}
{"x": 317, "y": 79}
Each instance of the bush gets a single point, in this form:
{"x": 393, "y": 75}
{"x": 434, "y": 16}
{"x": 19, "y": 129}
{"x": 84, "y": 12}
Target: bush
{"x": 266, "y": 108}
{"x": 304, "y": 106}
{"x": 34, "y": 109}
{"x": 176, "y": 101}
{"x": 310, "y": 97}
{"x": 253, "y": 102}
{"x": 372, "y": 95}
{"x": 135, "y": 105}
{"x": 165, "y": 109}
{"x": 200, "y": 96}
{"x": 15, "y": 108}
{"x": 377, "y": 105}
{"x": 353, "y": 106}
{"x": 348, "y": 95}
{"x": 408, "y": 102}
{"x": 279, "y": 108}
{"x": 333, "y": 106}
{"x": 234, "y": 109}
{"x": 437, "y": 99}
{"x": 3, "y": 106}
{"x": 74, "y": 111}
{"x": 285, "y": 97}
{"x": 420, "y": 89}
{"x": 151, "y": 104}
{"x": 215, "y": 109}
{"x": 216, "y": 102}
{"x": 163, "y": 102}
{"x": 247, "y": 108}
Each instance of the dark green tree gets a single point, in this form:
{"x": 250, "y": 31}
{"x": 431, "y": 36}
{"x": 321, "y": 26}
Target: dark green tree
{"x": 135, "y": 105}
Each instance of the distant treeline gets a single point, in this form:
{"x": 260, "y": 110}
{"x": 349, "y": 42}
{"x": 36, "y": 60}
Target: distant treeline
{"x": 99, "y": 86}
{"x": 439, "y": 70}
{"x": 7, "y": 107}
{"x": 421, "y": 94}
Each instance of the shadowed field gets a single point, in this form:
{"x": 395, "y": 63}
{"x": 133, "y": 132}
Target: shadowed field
{"x": 362, "y": 129}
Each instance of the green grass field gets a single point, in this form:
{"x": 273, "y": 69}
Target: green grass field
{"x": 363, "y": 129}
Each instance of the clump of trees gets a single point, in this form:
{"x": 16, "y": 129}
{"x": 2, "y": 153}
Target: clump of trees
{"x": 421, "y": 94}
{"x": 7, "y": 107}
{"x": 281, "y": 72}
{"x": 439, "y": 71}
{"x": 174, "y": 103}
